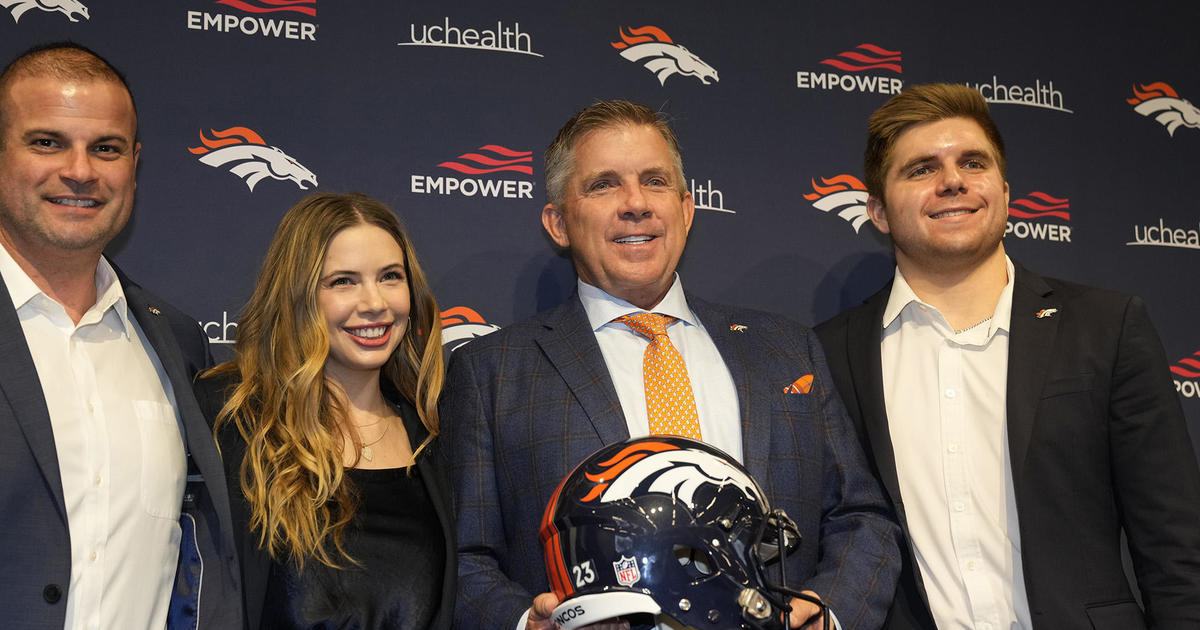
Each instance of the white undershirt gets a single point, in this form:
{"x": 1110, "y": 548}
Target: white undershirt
{"x": 120, "y": 454}
{"x": 945, "y": 398}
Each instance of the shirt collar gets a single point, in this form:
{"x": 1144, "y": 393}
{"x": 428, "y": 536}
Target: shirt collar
{"x": 602, "y": 308}
{"x": 902, "y": 295}
{"x": 109, "y": 293}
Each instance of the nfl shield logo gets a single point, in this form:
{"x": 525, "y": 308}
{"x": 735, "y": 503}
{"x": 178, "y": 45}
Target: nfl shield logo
{"x": 627, "y": 571}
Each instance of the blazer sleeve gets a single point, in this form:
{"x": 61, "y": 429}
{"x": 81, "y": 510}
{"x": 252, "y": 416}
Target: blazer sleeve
{"x": 859, "y": 560}
{"x": 487, "y": 598}
{"x": 1155, "y": 475}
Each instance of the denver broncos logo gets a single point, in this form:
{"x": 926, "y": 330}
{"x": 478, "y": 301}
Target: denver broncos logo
{"x": 843, "y": 193}
{"x": 73, "y": 9}
{"x": 251, "y": 158}
{"x": 1163, "y": 103}
{"x": 461, "y": 324}
{"x": 662, "y": 56}
{"x": 662, "y": 468}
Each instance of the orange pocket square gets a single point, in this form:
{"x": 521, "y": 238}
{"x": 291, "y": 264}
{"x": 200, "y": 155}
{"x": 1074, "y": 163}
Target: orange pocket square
{"x": 802, "y": 385}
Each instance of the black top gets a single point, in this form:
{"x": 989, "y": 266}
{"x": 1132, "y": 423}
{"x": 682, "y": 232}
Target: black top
{"x": 398, "y": 542}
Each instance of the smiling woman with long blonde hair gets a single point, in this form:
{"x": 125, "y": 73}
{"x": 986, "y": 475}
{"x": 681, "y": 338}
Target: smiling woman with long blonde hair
{"x": 327, "y": 421}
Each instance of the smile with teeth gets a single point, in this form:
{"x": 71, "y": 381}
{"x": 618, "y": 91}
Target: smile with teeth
{"x": 633, "y": 240}
{"x": 950, "y": 213}
{"x": 78, "y": 203}
{"x": 369, "y": 335}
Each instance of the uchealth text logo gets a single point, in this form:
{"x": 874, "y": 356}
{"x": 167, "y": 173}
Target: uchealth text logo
{"x": 654, "y": 49}
{"x": 259, "y": 18}
{"x": 223, "y": 331}
{"x": 1039, "y": 216}
{"x": 706, "y": 196}
{"x": 1161, "y": 102}
{"x": 245, "y": 154}
{"x": 1162, "y": 235}
{"x": 1040, "y": 94}
{"x": 486, "y": 163}
{"x": 1186, "y": 373}
{"x": 843, "y": 195}
{"x": 461, "y": 324}
{"x": 859, "y": 71}
{"x": 73, "y": 9}
{"x": 502, "y": 38}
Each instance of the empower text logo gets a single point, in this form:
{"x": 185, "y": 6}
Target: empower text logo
{"x": 1187, "y": 375}
{"x": 251, "y": 158}
{"x": 656, "y": 51}
{"x": 859, "y": 59}
{"x": 1163, "y": 103}
{"x": 1036, "y": 208}
{"x": 73, "y": 9}
{"x": 486, "y": 160}
{"x": 844, "y": 194}
{"x": 255, "y": 23}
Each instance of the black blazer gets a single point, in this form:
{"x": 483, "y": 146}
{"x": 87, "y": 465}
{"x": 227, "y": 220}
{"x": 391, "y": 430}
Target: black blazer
{"x": 1097, "y": 441}
{"x": 256, "y": 562}
{"x": 35, "y": 548}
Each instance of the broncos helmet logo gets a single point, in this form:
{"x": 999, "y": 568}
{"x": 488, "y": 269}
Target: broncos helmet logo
{"x": 73, "y": 9}
{"x": 461, "y": 324}
{"x": 844, "y": 194}
{"x": 1163, "y": 103}
{"x": 662, "y": 56}
{"x": 253, "y": 160}
{"x": 662, "y": 468}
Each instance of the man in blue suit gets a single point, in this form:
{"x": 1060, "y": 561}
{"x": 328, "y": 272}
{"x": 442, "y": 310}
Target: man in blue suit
{"x": 113, "y": 508}
{"x": 524, "y": 405}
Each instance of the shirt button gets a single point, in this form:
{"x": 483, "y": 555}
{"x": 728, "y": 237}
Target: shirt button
{"x": 96, "y": 480}
{"x": 950, "y": 393}
{"x": 92, "y": 556}
{"x": 953, "y": 448}
{"x": 970, "y": 565}
{"x": 958, "y": 506}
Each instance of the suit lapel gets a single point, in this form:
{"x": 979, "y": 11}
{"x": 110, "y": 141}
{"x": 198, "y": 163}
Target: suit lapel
{"x": 864, "y": 337}
{"x": 570, "y": 345}
{"x": 1031, "y": 339}
{"x": 754, "y": 395}
{"x": 20, "y": 384}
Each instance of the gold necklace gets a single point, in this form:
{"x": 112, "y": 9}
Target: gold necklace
{"x": 365, "y": 449}
{"x": 978, "y": 323}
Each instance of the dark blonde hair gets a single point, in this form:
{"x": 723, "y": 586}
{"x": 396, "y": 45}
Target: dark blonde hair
{"x": 560, "y": 155}
{"x": 285, "y": 409}
{"x": 921, "y": 104}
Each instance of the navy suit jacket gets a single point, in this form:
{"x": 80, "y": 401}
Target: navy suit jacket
{"x": 1097, "y": 441}
{"x": 35, "y": 549}
{"x": 524, "y": 405}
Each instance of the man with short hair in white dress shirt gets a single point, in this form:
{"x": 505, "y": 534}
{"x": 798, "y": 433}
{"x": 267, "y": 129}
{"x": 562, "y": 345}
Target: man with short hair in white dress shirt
{"x": 1019, "y": 423}
{"x": 523, "y": 405}
{"x": 105, "y": 517}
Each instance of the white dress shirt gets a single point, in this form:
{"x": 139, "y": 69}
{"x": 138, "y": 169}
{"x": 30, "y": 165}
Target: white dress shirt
{"x": 122, "y": 460}
{"x": 945, "y": 397}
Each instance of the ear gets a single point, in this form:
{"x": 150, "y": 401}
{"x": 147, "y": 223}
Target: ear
{"x": 1006, "y": 204}
{"x": 878, "y": 214}
{"x": 555, "y": 226}
{"x": 689, "y": 211}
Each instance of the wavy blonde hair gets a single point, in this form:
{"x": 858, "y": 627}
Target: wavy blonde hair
{"x": 285, "y": 409}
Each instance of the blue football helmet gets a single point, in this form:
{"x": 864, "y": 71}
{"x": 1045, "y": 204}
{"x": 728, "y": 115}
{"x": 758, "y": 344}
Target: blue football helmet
{"x": 669, "y": 526}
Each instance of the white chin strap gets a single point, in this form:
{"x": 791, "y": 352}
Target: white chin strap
{"x": 588, "y": 609}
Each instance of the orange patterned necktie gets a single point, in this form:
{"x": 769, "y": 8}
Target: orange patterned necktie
{"x": 669, "y": 400}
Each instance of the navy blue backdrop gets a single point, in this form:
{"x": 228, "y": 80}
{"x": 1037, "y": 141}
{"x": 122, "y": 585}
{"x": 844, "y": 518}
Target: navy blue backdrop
{"x": 443, "y": 110}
